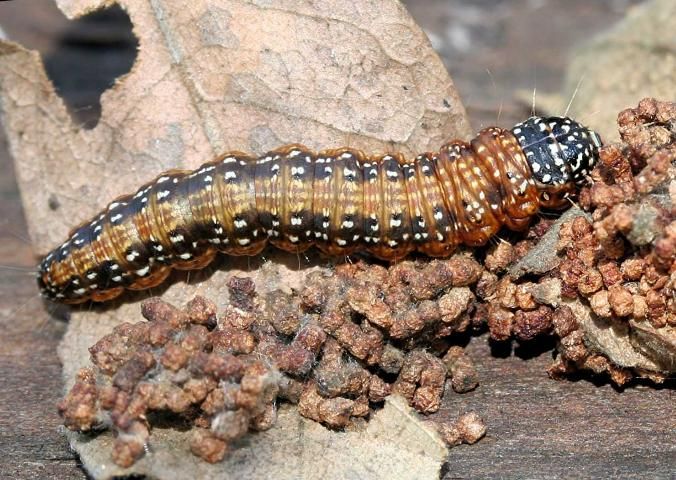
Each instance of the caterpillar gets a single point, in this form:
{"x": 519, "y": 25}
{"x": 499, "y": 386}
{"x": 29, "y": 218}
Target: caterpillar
{"x": 339, "y": 200}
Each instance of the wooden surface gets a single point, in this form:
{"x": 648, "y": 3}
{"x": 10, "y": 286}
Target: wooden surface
{"x": 537, "y": 427}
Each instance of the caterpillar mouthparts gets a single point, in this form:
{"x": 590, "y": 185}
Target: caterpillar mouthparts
{"x": 339, "y": 200}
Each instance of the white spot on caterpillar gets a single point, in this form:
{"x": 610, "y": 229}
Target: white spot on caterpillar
{"x": 163, "y": 194}
{"x": 143, "y": 271}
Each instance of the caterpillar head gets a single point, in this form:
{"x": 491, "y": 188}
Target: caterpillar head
{"x": 560, "y": 152}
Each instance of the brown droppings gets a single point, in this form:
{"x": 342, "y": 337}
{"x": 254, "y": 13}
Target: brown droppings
{"x": 600, "y": 305}
{"x": 284, "y": 315}
{"x": 590, "y": 282}
{"x": 564, "y": 321}
{"x": 174, "y": 357}
{"x": 468, "y": 428}
{"x": 529, "y": 324}
{"x": 206, "y": 446}
{"x": 499, "y": 257}
{"x": 378, "y": 389}
{"x": 79, "y": 406}
{"x": 336, "y": 412}
{"x": 242, "y": 292}
{"x": 621, "y": 301}
{"x": 230, "y": 425}
{"x": 461, "y": 370}
{"x": 128, "y": 449}
{"x": 471, "y": 427}
{"x": 421, "y": 381}
{"x": 227, "y": 339}
{"x": 500, "y": 321}
{"x": 133, "y": 370}
{"x": 202, "y": 311}
{"x": 453, "y": 304}
{"x": 155, "y": 309}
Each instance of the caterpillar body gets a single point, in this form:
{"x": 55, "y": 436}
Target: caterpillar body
{"x": 338, "y": 200}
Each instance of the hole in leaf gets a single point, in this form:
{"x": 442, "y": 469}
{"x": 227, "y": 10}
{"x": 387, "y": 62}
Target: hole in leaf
{"x": 90, "y": 54}
{"x": 83, "y": 58}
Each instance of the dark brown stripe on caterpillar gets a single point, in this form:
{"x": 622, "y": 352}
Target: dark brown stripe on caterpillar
{"x": 340, "y": 201}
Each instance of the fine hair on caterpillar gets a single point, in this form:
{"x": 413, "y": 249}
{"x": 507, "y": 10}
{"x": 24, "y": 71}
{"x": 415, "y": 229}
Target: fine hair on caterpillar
{"x": 339, "y": 200}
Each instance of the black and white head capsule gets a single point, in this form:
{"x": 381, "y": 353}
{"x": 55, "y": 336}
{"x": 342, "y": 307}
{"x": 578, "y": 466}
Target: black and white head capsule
{"x": 559, "y": 150}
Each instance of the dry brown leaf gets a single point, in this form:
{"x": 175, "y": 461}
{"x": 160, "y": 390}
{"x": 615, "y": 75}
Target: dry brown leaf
{"x": 213, "y": 76}
{"x": 222, "y": 75}
{"x": 394, "y": 444}
{"x": 617, "y": 341}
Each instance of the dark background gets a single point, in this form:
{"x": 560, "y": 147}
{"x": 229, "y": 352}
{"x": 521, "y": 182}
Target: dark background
{"x": 537, "y": 427}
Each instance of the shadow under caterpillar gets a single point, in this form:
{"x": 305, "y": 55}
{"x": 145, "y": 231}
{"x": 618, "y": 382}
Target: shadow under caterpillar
{"x": 339, "y": 200}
